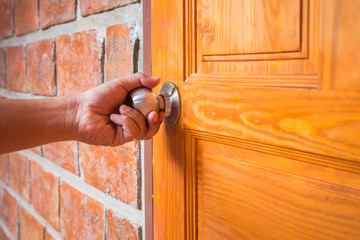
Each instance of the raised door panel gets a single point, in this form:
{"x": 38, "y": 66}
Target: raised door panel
{"x": 254, "y": 42}
{"x": 245, "y": 27}
{"x": 244, "y": 192}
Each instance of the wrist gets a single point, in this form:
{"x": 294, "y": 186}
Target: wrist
{"x": 71, "y": 121}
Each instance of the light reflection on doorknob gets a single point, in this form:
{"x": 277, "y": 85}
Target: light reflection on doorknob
{"x": 146, "y": 100}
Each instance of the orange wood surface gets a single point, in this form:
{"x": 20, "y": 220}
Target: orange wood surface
{"x": 267, "y": 146}
{"x": 262, "y": 21}
{"x": 239, "y": 198}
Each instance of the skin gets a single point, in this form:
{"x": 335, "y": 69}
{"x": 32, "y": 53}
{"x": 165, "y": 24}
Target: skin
{"x": 97, "y": 116}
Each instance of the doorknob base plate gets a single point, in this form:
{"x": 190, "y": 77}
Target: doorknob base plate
{"x": 171, "y": 96}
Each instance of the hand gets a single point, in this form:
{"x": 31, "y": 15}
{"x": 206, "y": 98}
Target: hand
{"x": 103, "y": 119}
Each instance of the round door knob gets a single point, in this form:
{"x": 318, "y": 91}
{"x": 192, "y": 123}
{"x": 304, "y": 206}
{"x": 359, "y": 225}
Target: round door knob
{"x": 146, "y": 100}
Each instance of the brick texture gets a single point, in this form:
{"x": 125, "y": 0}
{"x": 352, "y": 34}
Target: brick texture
{"x": 114, "y": 171}
{"x": 120, "y": 229}
{"x": 26, "y": 16}
{"x": 4, "y": 168}
{"x": 45, "y": 197}
{"x": 40, "y": 70}
{"x": 9, "y": 211}
{"x": 20, "y": 174}
{"x": 37, "y": 199}
{"x": 56, "y": 11}
{"x": 3, "y": 235}
{"x": 2, "y": 68}
{"x": 47, "y": 236}
{"x": 6, "y": 23}
{"x": 36, "y": 150}
{"x": 63, "y": 154}
{"x": 118, "y": 51}
{"x": 78, "y": 62}
{"x": 30, "y": 228}
{"x": 15, "y": 68}
{"x": 81, "y": 216}
{"x": 95, "y": 6}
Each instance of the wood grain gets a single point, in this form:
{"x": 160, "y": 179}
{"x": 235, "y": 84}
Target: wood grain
{"x": 269, "y": 202}
{"x": 168, "y": 144}
{"x": 322, "y": 122}
{"x": 267, "y": 146}
{"x": 270, "y": 26}
{"x": 274, "y": 80}
{"x": 293, "y": 64}
{"x": 341, "y": 54}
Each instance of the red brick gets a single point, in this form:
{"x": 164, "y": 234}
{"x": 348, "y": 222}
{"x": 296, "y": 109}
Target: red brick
{"x": 56, "y": 11}
{"x": 47, "y": 236}
{"x": 78, "y": 59}
{"x": 95, "y": 6}
{"x": 40, "y": 70}
{"x": 6, "y": 23}
{"x": 45, "y": 197}
{"x": 121, "y": 229}
{"x": 36, "y": 150}
{"x": 30, "y": 228}
{"x": 20, "y": 174}
{"x": 4, "y": 168}
{"x": 63, "y": 154}
{"x": 2, "y": 68}
{"x": 26, "y": 16}
{"x": 3, "y": 235}
{"x": 118, "y": 51}
{"x": 113, "y": 170}
{"x": 9, "y": 211}
{"x": 15, "y": 68}
{"x": 81, "y": 216}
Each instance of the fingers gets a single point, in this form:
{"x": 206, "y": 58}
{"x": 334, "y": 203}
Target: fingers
{"x": 138, "y": 80}
{"x": 126, "y": 128}
{"x": 154, "y": 121}
{"x": 137, "y": 117}
{"x": 131, "y": 124}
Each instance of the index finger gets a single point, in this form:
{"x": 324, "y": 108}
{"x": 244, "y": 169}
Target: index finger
{"x": 138, "y": 80}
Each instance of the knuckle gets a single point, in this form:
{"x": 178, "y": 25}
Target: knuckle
{"x": 125, "y": 118}
{"x": 139, "y": 74}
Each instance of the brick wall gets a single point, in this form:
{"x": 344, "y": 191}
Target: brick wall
{"x": 70, "y": 190}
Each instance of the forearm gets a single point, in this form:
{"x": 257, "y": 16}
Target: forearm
{"x": 84, "y": 117}
{"x": 33, "y": 122}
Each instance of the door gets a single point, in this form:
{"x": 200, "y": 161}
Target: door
{"x": 268, "y": 143}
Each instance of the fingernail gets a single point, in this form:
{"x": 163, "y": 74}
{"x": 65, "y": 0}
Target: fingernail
{"x": 112, "y": 117}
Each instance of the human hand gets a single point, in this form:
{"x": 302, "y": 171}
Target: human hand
{"x": 103, "y": 119}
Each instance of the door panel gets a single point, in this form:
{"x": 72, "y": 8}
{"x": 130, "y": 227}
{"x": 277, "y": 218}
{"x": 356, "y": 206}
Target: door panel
{"x": 255, "y": 42}
{"x": 250, "y": 194}
{"x": 322, "y": 122}
{"x": 267, "y": 146}
{"x": 341, "y": 53}
{"x": 239, "y": 27}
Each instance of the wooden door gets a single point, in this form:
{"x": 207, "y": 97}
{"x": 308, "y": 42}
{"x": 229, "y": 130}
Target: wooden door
{"x": 268, "y": 144}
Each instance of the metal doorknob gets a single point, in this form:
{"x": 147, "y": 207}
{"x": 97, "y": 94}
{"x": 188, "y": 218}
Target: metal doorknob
{"x": 146, "y": 100}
